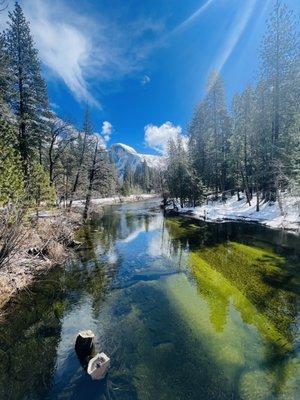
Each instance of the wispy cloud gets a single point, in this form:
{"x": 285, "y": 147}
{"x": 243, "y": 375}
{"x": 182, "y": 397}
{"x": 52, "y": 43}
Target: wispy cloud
{"x": 63, "y": 46}
{"x": 188, "y": 21}
{"x": 81, "y": 47}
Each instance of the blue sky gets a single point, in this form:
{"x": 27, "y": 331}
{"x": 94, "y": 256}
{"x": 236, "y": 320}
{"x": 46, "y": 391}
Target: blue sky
{"x": 142, "y": 64}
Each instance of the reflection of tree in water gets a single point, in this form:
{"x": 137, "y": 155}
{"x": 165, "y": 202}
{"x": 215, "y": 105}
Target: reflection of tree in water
{"x": 30, "y": 335}
{"x": 229, "y": 275}
{"x": 260, "y": 284}
{"x": 244, "y": 267}
{"x": 29, "y": 341}
{"x": 258, "y": 273}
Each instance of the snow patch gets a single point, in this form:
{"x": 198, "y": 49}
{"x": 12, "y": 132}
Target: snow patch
{"x": 106, "y": 201}
{"x": 234, "y": 210}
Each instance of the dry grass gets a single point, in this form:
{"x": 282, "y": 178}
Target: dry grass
{"x": 45, "y": 243}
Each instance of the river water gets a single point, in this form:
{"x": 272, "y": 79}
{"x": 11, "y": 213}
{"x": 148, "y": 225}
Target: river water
{"x": 185, "y": 310}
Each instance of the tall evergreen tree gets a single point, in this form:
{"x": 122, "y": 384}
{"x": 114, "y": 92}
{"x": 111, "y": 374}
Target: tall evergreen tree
{"x": 280, "y": 77}
{"x": 27, "y": 88}
{"x": 5, "y": 113}
{"x": 209, "y": 133}
{"x": 11, "y": 177}
{"x": 241, "y": 140}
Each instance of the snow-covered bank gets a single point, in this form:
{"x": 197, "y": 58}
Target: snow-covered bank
{"x": 107, "y": 201}
{"x": 234, "y": 210}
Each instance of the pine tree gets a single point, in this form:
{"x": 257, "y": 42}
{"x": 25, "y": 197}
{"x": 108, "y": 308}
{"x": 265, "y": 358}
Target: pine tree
{"x": 209, "y": 134}
{"x": 183, "y": 182}
{"x": 5, "y": 113}
{"x": 39, "y": 188}
{"x": 27, "y": 88}
{"x": 11, "y": 174}
{"x": 280, "y": 76}
{"x": 128, "y": 181}
{"x": 242, "y": 142}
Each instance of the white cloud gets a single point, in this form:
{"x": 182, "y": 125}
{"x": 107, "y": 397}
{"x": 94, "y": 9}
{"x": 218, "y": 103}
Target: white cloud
{"x": 106, "y": 130}
{"x": 157, "y": 137}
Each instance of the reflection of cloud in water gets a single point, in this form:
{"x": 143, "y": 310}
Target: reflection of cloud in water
{"x": 112, "y": 256}
{"x": 159, "y": 245}
{"x": 78, "y": 319}
{"x": 155, "y": 223}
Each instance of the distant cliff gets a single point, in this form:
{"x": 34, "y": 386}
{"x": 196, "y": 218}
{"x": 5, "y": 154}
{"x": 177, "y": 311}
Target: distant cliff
{"x": 125, "y": 157}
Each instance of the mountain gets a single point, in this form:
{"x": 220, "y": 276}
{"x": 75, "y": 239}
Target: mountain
{"x": 125, "y": 157}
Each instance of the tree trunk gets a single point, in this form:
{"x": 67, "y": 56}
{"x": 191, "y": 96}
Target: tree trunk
{"x": 73, "y": 191}
{"x": 246, "y": 187}
{"x": 51, "y": 164}
{"x": 90, "y": 187}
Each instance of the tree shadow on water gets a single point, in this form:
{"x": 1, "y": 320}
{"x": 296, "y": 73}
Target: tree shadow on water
{"x": 163, "y": 357}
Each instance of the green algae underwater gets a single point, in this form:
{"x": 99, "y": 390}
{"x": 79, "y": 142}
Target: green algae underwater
{"x": 186, "y": 310}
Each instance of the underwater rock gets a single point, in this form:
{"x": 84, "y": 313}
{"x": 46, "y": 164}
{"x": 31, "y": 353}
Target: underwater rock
{"x": 84, "y": 342}
{"x": 95, "y": 364}
{"x": 98, "y": 366}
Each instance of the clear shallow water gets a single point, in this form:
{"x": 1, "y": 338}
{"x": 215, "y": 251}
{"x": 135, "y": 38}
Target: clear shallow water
{"x": 185, "y": 310}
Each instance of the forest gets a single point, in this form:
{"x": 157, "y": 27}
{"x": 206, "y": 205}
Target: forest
{"x": 134, "y": 276}
{"x": 253, "y": 145}
{"x": 43, "y": 158}
{"x": 250, "y": 146}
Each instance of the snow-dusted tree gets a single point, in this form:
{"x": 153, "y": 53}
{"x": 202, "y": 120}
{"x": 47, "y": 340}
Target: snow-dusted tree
{"x": 183, "y": 183}
{"x": 61, "y": 133}
{"x": 209, "y": 132}
{"x": 280, "y": 75}
{"x": 5, "y": 113}
{"x": 218, "y": 131}
{"x": 28, "y": 94}
{"x": 242, "y": 141}
{"x": 101, "y": 177}
{"x": 81, "y": 151}
{"x": 128, "y": 181}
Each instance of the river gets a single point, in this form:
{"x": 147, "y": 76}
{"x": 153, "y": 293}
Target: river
{"x": 185, "y": 310}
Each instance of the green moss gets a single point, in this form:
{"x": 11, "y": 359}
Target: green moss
{"x": 179, "y": 228}
{"x": 241, "y": 274}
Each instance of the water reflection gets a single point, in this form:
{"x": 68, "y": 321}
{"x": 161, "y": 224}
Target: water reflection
{"x": 185, "y": 310}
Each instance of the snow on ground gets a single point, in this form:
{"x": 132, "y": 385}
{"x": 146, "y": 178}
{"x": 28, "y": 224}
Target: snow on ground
{"x": 106, "y": 201}
{"x": 269, "y": 213}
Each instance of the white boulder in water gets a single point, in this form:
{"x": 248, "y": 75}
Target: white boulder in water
{"x": 98, "y": 366}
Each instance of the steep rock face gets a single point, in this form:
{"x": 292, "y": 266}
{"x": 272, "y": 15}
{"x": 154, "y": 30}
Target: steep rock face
{"x": 124, "y": 157}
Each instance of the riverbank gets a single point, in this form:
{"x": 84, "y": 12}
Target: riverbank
{"x": 234, "y": 210}
{"x": 41, "y": 245}
{"x": 48, "y": 243}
